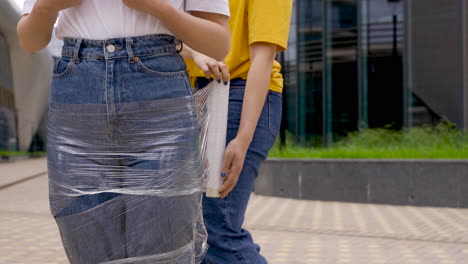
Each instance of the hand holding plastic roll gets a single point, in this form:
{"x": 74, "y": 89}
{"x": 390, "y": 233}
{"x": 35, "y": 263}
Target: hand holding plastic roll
{"x": 214, "y": 100}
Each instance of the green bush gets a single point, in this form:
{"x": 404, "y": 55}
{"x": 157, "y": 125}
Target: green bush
{"x": 439, "y": 142}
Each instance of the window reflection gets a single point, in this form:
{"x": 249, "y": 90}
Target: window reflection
{"x": 373, "y": 63}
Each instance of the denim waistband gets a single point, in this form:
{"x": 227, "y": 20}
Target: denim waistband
{"x": 119, "y": 47}
{"x": 234, "y": 83}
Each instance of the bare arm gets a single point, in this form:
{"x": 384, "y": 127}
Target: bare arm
{"x": 258, "y": 83}
{"x": 187, "y": 52}
{"x": 35, "y": 29}
{"x": 207, "y": 33}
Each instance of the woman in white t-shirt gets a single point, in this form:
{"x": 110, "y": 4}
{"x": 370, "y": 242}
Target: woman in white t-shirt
{"x": 125, "y": 177}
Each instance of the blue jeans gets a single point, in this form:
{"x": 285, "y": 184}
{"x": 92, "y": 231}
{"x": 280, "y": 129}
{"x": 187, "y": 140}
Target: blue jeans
{"x": 228, "y": 242}
{"x": 124, "y": 167}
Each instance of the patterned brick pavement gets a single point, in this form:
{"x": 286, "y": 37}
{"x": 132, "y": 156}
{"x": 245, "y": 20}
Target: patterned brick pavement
{"x": 299, "y": 232}
{"x": 289, "y": 231}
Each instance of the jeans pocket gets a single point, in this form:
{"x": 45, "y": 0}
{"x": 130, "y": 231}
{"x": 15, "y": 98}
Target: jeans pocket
{"x": 168, "y": 65}
{"x": 274, "y": 112}
{"x": 63, "y": 67}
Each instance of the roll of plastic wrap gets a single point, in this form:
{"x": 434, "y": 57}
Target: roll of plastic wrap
{"x": 214, "y": 99}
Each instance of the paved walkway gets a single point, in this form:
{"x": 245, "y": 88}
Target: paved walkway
{"x": 290, "y": 231}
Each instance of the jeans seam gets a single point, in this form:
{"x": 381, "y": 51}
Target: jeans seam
{"x": 270, "y": 117}
{"x": 226, "y": 218}
{"x": 270, "y": 130}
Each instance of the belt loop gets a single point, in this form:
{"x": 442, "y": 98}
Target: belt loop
{"x": 76, "y": 51}
{"x": 131, "y": 56}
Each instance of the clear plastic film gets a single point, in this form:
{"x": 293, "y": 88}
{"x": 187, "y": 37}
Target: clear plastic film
{"x": 126, "y": 187}
{"x": 212, "y": 103}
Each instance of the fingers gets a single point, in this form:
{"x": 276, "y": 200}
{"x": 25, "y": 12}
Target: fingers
{"x": 206, "y": 70}
{"x": 232, "y": 165}
{"x": 224, "y": 72}
{"x": 219, "y": 70}
{"x": 230, "y": 182}
{"x": 215, "y": 70}
{"x": 228, "y": 157}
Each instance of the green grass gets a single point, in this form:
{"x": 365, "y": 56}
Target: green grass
{"x": 21, "y": 153}
{"x": 439, "y": 142}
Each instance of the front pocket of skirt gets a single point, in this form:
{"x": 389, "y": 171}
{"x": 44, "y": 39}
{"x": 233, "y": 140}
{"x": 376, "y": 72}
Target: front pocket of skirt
{"x": 163, "y": 66}
{"x": 62, "y": 68}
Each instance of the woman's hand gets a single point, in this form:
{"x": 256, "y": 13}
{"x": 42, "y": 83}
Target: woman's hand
{"x": 233, "y": 163}
{"x": 148, "y": 6}
{"x": 210, "y": 66}
{"x": 55, "y": 5}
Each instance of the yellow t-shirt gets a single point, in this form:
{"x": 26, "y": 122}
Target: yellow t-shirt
{"x": 254, "y": 21}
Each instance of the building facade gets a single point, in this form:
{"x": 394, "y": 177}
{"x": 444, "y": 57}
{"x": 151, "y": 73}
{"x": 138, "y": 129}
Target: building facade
{"x": 355, "y": 64}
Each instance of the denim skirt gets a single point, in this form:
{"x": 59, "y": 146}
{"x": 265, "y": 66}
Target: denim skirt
{"x": 125, "y": 176}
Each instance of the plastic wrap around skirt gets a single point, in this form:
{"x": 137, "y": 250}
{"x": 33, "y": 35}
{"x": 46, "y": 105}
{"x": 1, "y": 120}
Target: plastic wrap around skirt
{"x": 125, "y": 170}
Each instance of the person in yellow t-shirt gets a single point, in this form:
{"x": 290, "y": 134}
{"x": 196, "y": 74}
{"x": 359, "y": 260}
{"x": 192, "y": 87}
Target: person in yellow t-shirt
{"x": 259, "y": 28}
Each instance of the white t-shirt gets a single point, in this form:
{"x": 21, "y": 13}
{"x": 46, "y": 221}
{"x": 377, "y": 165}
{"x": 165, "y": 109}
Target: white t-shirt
{"x": 106, "y": 19}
